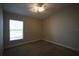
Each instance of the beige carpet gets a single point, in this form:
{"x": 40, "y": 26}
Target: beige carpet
{"x": 39, "y": 48}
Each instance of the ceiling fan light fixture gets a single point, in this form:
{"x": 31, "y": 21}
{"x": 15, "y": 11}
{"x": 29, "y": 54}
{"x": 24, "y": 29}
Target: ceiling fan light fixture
{"x": 41, "y": 9}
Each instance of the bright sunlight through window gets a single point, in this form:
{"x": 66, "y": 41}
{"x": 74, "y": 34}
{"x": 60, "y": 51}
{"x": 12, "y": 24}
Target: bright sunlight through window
{"x": 16, "y": 30}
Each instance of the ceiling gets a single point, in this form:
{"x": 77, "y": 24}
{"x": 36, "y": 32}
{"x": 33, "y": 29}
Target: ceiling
{"x": 24, "y": 9}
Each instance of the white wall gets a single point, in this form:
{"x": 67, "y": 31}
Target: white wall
{"x": 1, "y": 30}
{"x": 63, "y": 27}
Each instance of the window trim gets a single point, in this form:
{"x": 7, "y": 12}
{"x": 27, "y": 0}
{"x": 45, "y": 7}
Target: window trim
{"x": 22, "y": 31}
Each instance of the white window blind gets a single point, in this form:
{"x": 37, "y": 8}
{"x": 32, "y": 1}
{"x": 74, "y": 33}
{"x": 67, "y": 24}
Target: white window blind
{"x": 16, "y": 30}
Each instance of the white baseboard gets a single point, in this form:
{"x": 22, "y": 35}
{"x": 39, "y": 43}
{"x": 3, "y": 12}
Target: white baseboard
{"x": 66, "y": 46}
{"x": 22, "y": 43}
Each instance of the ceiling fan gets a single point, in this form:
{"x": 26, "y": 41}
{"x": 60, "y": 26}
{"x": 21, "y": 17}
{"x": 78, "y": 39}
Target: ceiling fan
{"x": 39, "y": 7}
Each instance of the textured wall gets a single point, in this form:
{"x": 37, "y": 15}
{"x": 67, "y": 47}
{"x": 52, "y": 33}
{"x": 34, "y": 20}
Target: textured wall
{"x": 1, "y": 30}
{"x": 63, "y": 27}
{"x": 32, "y": 29}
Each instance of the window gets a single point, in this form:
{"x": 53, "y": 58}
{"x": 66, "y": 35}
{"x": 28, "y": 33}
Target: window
{"x": 16, "y": 30}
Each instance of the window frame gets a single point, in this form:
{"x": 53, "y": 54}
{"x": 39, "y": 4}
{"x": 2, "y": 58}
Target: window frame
{"x": 22, "y": 31}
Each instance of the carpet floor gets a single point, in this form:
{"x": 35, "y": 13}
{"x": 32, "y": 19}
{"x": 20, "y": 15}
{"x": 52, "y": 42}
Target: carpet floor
{"x": 39, "y": 48}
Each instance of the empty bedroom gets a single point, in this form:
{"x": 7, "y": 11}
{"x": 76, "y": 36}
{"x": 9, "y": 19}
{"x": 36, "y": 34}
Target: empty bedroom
{"x": 39, "y": 29}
